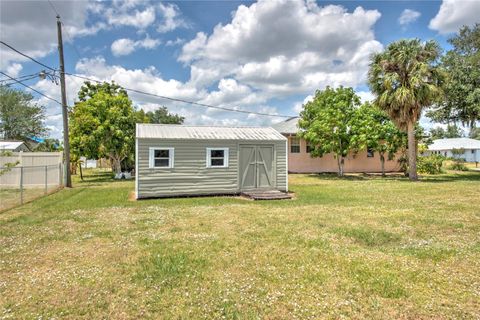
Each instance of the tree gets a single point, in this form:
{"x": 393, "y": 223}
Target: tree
{"x": 20, "y": 117}
{"x": 161, "y": 115}
{"x": 49, "y": 145}
{"x": 377, "y": 132}
{"x": 325, "y": 123}
{"x": 102, "y": 124}
{"x": 462, "y": 87}
{"x": 474, "y": 133}
{"x": 452, "y": 131}
{"x": 406, "y": 80}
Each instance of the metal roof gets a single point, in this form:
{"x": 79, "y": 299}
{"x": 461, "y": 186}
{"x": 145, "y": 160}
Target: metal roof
{"x": 289, "y": 126}
{"x": 10, "y": 145}
{"x": 454, "y": 143}
{"x": 175, "y": 131}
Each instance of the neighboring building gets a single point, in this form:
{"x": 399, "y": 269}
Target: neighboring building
{"x": 179, "y": 160}
{"x": 471, "y": 148}
{"x": 88, "y": 163}
{"x": 300, "y": 161}
{"x": 13, "y": 146}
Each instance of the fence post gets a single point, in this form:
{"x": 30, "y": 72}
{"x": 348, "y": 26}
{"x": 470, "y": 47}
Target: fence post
{"x": 21, "y": 185}
{"x": 46, "y": 179}
{"x": 60, "y": 178}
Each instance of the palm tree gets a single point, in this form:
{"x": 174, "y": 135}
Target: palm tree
{"x": 405, "y": 80}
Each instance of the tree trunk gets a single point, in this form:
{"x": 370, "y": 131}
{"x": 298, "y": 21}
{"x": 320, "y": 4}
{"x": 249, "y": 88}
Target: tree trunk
{"x": 412, "y": 152}
{"x": 340, "y": 162}
{"x": 382, "y": 161}
{"x": 81, "y": 173}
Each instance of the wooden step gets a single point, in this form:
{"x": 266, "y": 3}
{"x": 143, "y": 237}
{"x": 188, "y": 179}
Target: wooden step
{"x": 266, "y": 195}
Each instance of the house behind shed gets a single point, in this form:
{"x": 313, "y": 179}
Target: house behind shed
{"x": 180, "y": 160}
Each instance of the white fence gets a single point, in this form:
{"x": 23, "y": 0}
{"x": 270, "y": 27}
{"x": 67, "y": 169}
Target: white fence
{"x": 35, "y": 174}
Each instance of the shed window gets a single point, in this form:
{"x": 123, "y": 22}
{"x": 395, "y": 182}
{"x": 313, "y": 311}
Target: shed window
{"x": 370, "y": 153}
{"x": 294, "y": 145}
{"x": 473, "y": 151}
{"x": 161, "y": 157}
{"x": 217, "y": 157}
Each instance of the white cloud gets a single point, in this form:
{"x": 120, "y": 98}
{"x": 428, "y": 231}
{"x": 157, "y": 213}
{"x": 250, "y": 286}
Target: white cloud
{"x": 408, "y": 16}
{"x": 14, "y": 69}
{"x": 171, "y": 17}
{"x": 177, "y": 41}
{"x": 125, "y": 46}
{"x": 365, "y": 96}
{"x": 306, "y": 49}
{"x": 30, "y": 26}
{"x": 124, "y": 16}
{"x": 122, "y": 47}
{"x": 297, "y": 107}
{"x": 455, "y": 14}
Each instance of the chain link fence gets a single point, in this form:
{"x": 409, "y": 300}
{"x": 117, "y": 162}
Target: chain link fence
{"x": 21, "y": 184}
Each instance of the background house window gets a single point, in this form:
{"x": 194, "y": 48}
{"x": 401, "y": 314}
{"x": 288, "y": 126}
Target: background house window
{"x": 161, "y": 157}
{"x": 473, "y": 151}
{"x": 217, "y": 157}
{"x": 309, "y": 147}
{"x": 370, "y": 153}
{"x": 294, "y": 145}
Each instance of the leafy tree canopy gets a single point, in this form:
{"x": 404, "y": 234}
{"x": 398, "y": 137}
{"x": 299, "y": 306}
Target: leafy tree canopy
{"x": 326, "y": 123}
{"x": 452, "y": 131}
{"x": 102, "y": 123}
{"x": 406, "y": 80}
{"x": 161, "y": 115}
{"x": 462, "y": 88}
{"x": 20, "y": 117}
{"x": 49, "y": 145}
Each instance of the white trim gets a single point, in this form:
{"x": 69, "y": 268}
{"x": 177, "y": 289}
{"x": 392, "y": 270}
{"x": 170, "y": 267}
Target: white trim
{"x": 171, "y": 157}
{"x": 225, "y": 157}
{"x": 286, "y": 162}
{"x": 136, "y": 168}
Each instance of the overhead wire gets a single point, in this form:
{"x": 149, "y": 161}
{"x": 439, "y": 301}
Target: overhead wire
{"x": 35, "y": 90}
{"x": 157, "y": 95}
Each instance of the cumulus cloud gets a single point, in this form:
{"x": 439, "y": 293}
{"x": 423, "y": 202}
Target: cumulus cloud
{"x": 125, "y": 46}
{"x": 14, "y": 69}
{"x": 455, "y": 14}
{"x": 124, "y": 16}
{"x": 408, "y": 16}
{"x": 171, "y": 17}
{"x": 285, "y": 47}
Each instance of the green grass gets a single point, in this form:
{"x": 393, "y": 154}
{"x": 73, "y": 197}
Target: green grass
{"x": 358, "y": 247}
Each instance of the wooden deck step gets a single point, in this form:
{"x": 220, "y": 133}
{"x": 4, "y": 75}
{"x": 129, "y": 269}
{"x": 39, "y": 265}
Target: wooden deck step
{"x": 266, "y": 195}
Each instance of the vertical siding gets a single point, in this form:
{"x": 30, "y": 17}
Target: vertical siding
{"x": 190, "y": 176}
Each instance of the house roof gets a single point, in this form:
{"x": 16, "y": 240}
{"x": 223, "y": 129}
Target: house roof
{"x": 175, "y": 131}
{"x": 289, "y": 126}
{"x": 454, "y": 143}
{"x": 10, "y": 145}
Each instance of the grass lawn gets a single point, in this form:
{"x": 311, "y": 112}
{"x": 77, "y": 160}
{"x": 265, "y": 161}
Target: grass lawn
{"x": 359, "y": 247}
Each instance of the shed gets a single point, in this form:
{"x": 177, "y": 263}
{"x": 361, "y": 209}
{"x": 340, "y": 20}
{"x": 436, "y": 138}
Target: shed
{"x": 13, "y": 146}
{"x": 180, "y": 160}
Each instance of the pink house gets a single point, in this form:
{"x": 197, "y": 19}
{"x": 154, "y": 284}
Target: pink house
{"x": 300, "y": 161}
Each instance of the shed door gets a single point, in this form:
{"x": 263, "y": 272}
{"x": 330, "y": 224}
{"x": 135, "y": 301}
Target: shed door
{"x": 256, "y": 167}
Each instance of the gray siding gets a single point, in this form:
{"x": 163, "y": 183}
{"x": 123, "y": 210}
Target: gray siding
{"x": 190, "y": 176}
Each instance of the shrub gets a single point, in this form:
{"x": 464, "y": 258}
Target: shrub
{"x": 430, "y": 164}
{"x": 458, "y": 165}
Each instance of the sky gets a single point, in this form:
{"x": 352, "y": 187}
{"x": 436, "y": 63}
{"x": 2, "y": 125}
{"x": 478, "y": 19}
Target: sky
{"x": 265, "y": 56}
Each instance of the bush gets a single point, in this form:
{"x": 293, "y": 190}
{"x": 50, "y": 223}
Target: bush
{"x": 458, "y": 165}
{"x": 430, "y": 164}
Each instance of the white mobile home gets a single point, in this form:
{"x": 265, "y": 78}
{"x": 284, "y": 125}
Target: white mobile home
{"x": 179, "y": 160}
{"x": 444, "y": 147}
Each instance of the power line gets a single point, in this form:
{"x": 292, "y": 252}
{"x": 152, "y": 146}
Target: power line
{"x": 186, "y": 101}
{"x": 5, "y": 83}
{"x": 27, "y": 56}
{"x": 22, "y": 77}
{"x": 66, "y": 30}
{"x": 27, "y": 86}
{"x": 160, "y": 96}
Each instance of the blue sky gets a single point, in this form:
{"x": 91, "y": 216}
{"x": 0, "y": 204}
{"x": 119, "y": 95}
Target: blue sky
{"x": 267, "y": 56}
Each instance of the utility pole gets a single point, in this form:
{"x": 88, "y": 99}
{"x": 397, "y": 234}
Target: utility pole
{"x": 67, "y": 179}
